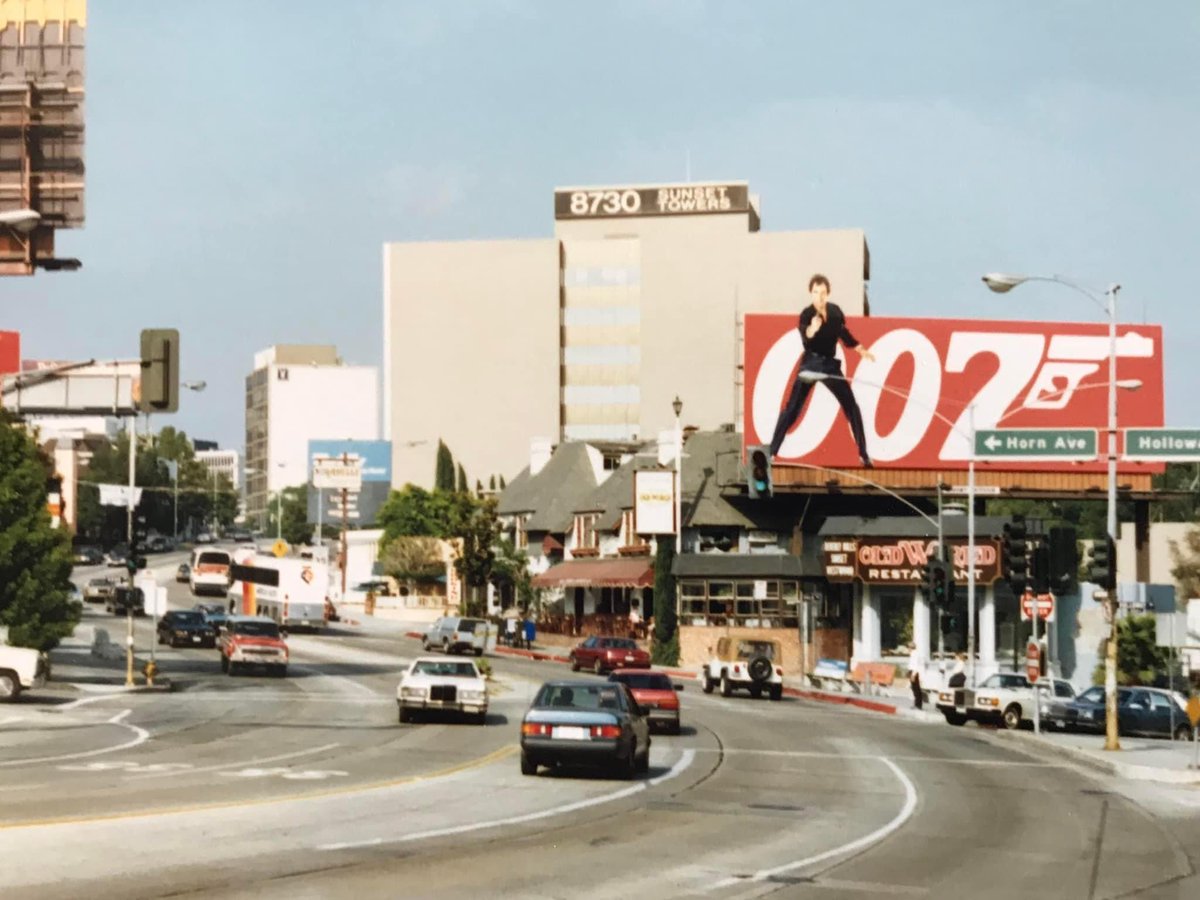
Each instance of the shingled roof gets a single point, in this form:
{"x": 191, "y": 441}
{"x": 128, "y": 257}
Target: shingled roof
{"x": 552, "y": 495}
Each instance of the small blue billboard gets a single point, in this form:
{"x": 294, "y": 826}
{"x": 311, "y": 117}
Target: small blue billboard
{"x": 360, "y": 507}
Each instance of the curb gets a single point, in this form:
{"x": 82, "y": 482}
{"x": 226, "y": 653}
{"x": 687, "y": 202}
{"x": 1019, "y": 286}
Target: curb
{"x": 162, "y": 686}
{"x": 1129, "y": 771}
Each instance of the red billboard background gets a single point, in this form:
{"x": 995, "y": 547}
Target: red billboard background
{"x": 1013, "y": 374}
{"x": 10, "y": 352}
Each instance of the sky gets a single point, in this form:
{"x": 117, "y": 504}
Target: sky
{"x": 246, "y": 162}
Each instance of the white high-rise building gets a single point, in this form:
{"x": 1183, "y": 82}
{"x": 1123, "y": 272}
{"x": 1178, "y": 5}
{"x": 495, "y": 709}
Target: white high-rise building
{"x": 298, "y": 393}
{"x": 223, "y": 462}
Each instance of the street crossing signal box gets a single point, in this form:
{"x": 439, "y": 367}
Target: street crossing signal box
{"x": 758, "y": 476}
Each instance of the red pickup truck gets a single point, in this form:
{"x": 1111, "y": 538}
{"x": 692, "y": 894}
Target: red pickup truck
{"x": 248, "y": 641}
{"x": 603, "y": 654}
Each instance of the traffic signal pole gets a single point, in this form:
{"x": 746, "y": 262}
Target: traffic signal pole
{"x": 131, "y": 432}
{"x": 940, "y": 612}
{"x": 1111, "y": 739}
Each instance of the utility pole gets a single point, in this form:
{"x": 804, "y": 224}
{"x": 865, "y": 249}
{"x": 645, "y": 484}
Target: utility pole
{"x": 345, "y": 546}
{"x": 131, "y": 432}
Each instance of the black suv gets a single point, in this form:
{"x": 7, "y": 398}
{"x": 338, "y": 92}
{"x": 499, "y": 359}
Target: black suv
{"x": 186, "y": 627}
{"x": 125, "y": 600}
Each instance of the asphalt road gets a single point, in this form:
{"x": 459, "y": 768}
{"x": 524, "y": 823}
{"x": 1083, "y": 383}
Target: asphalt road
{"x": 309, "y": 787}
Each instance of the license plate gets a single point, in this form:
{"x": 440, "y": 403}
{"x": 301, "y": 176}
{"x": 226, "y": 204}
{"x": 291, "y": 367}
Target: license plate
{"x": 569, "y": 733}
{"x": 196, "y": 639}
{"x": 628, "y": 659}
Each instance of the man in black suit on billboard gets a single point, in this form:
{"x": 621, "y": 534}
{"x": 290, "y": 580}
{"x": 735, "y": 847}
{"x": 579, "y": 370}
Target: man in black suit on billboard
{"x": 822, "y": 325}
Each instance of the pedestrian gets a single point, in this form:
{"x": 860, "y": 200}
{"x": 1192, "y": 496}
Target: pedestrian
{"x": 822, "y": 325}
{"x": 958, "y": 674}
{"x": 914, "y": 677}
{"x": 530, "y": 633}
{"x": 510, "y": 631}
{"x": 635, "y": 619}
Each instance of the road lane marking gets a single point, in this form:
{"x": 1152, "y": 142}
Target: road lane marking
{"x": 234, "y": 765}
{"x": 829, "y": 754}
{"x": 906, "y": 811}
{"x": 494, "y": 756}
{"x": 10, "y": 720}
{"x": 284, "y": 772}
{"x": 685, "y": 760}
{"x": 141, "y": 735}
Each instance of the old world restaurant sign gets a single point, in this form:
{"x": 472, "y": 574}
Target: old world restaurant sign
{"x": 899, "y": 560}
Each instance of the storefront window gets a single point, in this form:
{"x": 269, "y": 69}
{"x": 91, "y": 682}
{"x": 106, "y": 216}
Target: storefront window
{"x": 720, "y": 589}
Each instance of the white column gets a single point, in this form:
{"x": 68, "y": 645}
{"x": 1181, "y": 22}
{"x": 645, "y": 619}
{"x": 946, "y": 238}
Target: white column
{"x": 921, "y": 624}
{"x": 872, "y": 636}
{"x": 987, "y": 632}
{"x": 858, "y": 650}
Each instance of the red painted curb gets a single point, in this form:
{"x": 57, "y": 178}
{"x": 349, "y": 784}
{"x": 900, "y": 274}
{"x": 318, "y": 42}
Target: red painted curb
{"x": 862, "y": 703}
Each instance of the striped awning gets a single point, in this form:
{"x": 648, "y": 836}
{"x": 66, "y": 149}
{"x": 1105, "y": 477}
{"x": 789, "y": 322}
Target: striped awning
{"x": 634, "y": 572}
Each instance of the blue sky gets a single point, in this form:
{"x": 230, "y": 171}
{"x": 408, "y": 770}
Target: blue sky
{"x": 246, "y": 161}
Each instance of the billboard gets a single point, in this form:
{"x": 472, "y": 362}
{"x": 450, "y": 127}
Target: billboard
{"x": 657, "y": 200}
{"x": 10, "y": 352}
{"x": 928, "y": 382}
{"x": 373, "y": 461}
{"x": 653, "y": 502}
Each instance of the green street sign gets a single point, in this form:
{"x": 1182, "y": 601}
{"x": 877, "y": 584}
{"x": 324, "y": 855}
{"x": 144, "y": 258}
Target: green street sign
{"x": 1037, "y": 444}
{"x": 1161, "y": 444}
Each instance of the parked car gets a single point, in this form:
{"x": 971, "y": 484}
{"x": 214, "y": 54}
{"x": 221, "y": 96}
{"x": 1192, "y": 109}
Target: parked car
{"x": 1006, "y": 698}
{"x": 117, "y": 557}
{"x": 436, "y": 683}
{"x": 248, "y": 641}
{"x": 456, "y": 634}
{"x": 585, "y": 723}
{"x": 183, "y": 574}
{"x": 215, "y": 614}
{"x": 125, "y": 600}
{"x": 186, "y": 627}
{"x": 21, "y": 669}
{"x": 99, "y": 590}
{"x": 742, "y": 664}
{"x": 654, "y": 693}
{"x": 1141, "y": 711}
{"x": 88, "y": 556}
{"x": 602, "y": 653}
{"x": 205, "y": 538}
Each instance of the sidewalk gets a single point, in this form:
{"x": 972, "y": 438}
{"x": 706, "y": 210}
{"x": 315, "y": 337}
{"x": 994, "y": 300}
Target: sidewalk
{"x": 1139, "y": 759}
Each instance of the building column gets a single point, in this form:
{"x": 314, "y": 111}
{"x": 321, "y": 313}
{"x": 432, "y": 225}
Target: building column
{"x": 920, "y": 629}
{"x": 987, "y": 632}
{"x": 858, "y": 650}
{"x": 872, "y": 636}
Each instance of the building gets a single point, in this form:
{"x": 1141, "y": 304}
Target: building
{"x": 223, "y": 462}
{"x": 295, "y": 394}
{"x": 636, "y": 298}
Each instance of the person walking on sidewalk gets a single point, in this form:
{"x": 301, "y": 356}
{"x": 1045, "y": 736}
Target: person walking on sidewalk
{"x": 510, "y": 631}
{"x": 914, "y": 677}
{"x": 530, "y": 632}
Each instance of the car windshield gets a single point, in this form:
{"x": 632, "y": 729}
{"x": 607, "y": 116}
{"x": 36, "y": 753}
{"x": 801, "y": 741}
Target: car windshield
{"x": 645, "y": 682}
{"x": 749, "y": 649}
{"x": 580, "y": 696}
{"x": 256, "y": 629}
{"x": 621, "y": 644}
{"x": 470, "y": 625}
{"x": 213, "y": 558}
{"x": 187, "y": 617}
{"x": 445, "y": 668}
{"x": 1092, "y": 695}
{"x": 1005, "y": 680}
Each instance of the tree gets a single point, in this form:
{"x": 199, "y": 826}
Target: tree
{"x": 415, "y": 512}
{"x": 492, "y": 483}
{"x": 413, "y": 559}
{"x": 510, "y": 573}
{"x": 665, "y": 649}
{"x": 1139, "y": 661}
{"x": 35, "y": 559}
{"x": 502, "y": 485}
{"x": 479, "y": 530}
{"x": 1178, "y": 477}
{"x": 294, "y": 503}
{"x": 1186, "y": 571}
{"x": 462, "y": 486}
{"x": 444, "y": 476}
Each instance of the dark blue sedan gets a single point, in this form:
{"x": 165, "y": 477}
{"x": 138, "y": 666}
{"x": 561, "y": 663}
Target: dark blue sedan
{"x": 1141, "y": 711}
{"x": 585, "y": 723}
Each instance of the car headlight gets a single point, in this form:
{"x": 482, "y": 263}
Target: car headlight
{"x": 473, "y": 696}
{"x": 181, "y": 634}
{"x": 413, "y": 693}
{"x": 989, "y": 701}
{"x": 946, "y": 697}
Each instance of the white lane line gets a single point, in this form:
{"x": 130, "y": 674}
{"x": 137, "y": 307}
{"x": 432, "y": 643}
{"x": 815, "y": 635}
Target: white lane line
{"x": 10, "y": 719}
{"x": 257, "y": 761}
{"x": 141, "y": 735}
{"x": 685, "y": 760}
{"x": 74, "y": 704}
{"x": 910, "y": 804}
{"x": 827, "y": 754}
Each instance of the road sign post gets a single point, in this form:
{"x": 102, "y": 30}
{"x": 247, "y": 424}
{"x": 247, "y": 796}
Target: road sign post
{"x": 1036, "y": 444}
{"x": 1193, "y": 711}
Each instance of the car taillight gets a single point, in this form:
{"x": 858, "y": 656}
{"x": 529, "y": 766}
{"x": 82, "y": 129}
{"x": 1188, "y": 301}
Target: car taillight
{"x": 456, "y": 637}
{"x": 737, "y": 669}
{"x": 535, "y": 729}
{"x": 778, "y": 671}
{"x": 606, "y": 731}
{"x": 669, "y": 703}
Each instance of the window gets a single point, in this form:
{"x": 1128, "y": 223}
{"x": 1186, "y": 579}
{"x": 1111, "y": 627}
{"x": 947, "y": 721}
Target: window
{"x": 1063, "y": 689}
{"x": 1160, "y": 702}
{"x": 585, "y": 531}
{"x": 1092, "y": 695}
{"x": 754, "y": 603}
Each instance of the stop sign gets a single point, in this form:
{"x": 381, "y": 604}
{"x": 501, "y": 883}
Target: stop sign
{"x": 1033, "y": 666}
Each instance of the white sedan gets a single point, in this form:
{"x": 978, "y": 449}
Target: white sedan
{"x": 437, "y": 683}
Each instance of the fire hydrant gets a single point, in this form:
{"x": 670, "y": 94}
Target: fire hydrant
{"x": 150, "y": 670}
{"x": 369, "y": 604}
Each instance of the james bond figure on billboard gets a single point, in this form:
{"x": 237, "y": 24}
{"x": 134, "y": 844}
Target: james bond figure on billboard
{"x": 822, "y": 325}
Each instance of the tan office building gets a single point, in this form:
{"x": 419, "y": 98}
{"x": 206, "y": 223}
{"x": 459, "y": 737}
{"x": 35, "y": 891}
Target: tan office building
{"x": 590, "y": 334}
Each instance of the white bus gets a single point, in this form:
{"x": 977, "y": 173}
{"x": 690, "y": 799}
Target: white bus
{"x": 289, "y": 591}
{"x": 210, "y": 571}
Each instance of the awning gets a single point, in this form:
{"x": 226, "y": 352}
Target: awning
{"x": 633, "y": 573}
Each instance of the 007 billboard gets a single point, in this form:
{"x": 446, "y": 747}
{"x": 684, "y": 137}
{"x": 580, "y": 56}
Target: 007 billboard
{"x": 927, "y": 383}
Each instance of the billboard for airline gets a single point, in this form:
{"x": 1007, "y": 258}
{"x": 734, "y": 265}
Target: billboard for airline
{"x": 925, "y": 386}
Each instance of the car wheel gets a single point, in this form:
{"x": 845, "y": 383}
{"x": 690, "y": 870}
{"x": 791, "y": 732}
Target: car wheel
{"x": 405, "y": 715}
{"x": 10, "y": 686}
{"x": 232, "y": 669}
{"x": 628, "y": 767}
{"x": 528, "y": 766}
{"x": 777, "y": 692}
{"x": 756, "y": 691}
{"x": 676, "y": 728}
{"x": 480, "y": 718}
{"x": 956, "y": 719}
{"x": 1012, "y": 716}
{"x": 726, "y": 685}
{"x": 574, "y": 663}
{"x": 643, "y": 763}
{"x": 280, "y": 671}
{"x": 426, "y": 646}
{"x": 446, "y": 646}
{"x": 598, "y": 668}
{"x": 709, "y": 684}
{"x": 1182, "y": 732}
{"x": 478, "y": 652}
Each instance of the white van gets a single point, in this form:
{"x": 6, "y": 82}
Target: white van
{"x": 210, "y": 571}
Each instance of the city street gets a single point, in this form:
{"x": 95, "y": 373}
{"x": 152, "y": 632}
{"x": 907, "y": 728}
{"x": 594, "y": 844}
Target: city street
{"x": 308, "y": 786}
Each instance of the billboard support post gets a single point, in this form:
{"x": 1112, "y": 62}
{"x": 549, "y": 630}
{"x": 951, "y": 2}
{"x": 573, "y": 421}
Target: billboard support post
{"x": 345, "y": 527}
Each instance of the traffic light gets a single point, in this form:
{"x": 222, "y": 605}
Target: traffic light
{"x": 1016, "y": 560}
{"x": 1040, "y": 575}
{"x": 938, "y": 587}
{"x": 160, "y": 370}
{"x": 1064, "y": 560}
{"x": 140, "y": 535}
{"x": 949, "y": 624}
{"x": 1102, "y": 563}
{"x": 759, "y": 480}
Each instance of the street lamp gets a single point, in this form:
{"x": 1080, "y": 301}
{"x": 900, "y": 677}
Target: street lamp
{"x": 1002, "y": 283}
{"x": 677, "y": 405}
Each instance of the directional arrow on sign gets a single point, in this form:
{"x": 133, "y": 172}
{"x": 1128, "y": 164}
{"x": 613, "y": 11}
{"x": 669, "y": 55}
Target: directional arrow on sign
{"x": 992, "y": 442}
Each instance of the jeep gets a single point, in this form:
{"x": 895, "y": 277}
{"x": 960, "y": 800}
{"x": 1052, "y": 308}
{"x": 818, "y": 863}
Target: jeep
{"x": 744, "y": 664}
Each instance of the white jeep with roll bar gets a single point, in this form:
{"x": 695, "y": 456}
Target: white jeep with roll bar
{"x": 21, "y": 669}
{"x": 744, "y": 664}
